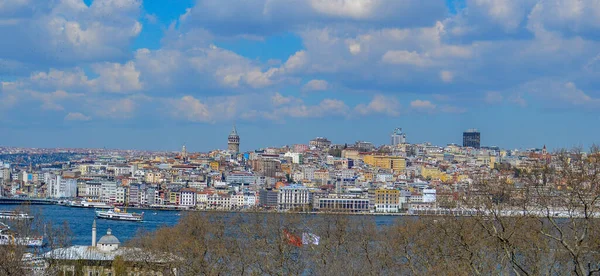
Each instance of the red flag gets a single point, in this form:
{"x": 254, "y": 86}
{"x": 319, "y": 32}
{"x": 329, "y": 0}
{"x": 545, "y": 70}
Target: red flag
{"x": 293, "y": 239}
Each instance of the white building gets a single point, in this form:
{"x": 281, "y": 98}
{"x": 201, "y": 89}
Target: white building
{"x": 296, "y": 157}
{"x": 59, "y": 187}
{"x": 108, "y": 191}
{"x": 188, "y": 197}
{"x": 120, "y": 195}
{"x": 293, "y": 197}
{"x": 309, "y": 173}
{"x": 237, "y": 200}
{"x": 245, "y": 178}
{"x": 92, "y": 189}
{"x": 250, "y": 199}
{"x": 429, "y": 195}
{"x": 201, "y": 198}
{"x": 121, "y": 170}
{"x": 384, "y": 177}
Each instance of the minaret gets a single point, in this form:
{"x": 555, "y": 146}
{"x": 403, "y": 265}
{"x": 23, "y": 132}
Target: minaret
{"x": 94, "y": 234}
{"x": 233, "y": 141}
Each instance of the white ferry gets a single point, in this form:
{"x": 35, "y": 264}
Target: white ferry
{"x": 87, "y": 204}
{"x": 116, "y": 214}
{"x": 14, "y": 215}
{"x": 7, "y": 238}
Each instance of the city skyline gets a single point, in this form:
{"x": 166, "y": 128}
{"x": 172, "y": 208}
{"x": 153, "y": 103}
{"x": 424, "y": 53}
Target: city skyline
{"x": 144, "y": 75}
{"x": 233, "y": 141}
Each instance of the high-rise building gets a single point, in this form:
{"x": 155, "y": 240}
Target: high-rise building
{"x": 472, "y": 138}
{"x": 398, "y": 137}
{"x": 233, "y": 141}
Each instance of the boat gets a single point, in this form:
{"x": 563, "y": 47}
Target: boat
{"x": 8, "y": 238}
{"x": 117, "y": 214}
{"x": 14, "y": 215}
{"x": 87, "y": 204}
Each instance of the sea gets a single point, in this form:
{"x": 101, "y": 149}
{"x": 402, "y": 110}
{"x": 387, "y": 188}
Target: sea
{"x": 80, "y": 220}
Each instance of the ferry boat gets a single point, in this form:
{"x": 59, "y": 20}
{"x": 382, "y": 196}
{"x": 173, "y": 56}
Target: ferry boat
{"x": 14, "y": 215}
{"x": 87, "y": 204}
{"x": 117, "y": 214}
{"x": 7, "y": 238}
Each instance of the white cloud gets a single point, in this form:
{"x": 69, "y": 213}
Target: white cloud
{"x": 296, "y": 61}
{"x": 265, "y": 17}
{"x": 67, "y": 31}
{"x": 316, "y": 85}
{"x": 569, "y": 16}
{"x": 279, "y": 99}
{"x": 115, "y": 77}
{"x": 405, "y": 57}
{"x": 357, "y": 9}
{"x": 189, "y": 108}
{"x": 422, "y": 105}
{"x": 76, "y": 116}
{"x": 380, "y": 104}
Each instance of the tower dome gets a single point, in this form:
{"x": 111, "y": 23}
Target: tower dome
{"x": 233, "y": 141}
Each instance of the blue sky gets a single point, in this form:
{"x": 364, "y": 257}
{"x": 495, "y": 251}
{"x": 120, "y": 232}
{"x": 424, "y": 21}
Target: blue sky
{"x": 158, "y": 74}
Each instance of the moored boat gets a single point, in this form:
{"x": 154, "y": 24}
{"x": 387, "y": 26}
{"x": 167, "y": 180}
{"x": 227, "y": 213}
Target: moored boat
{"x": 8, "y": 238}
{"x": 14, "y": 215}
{"x": 87, "y": 204}
{"x": 117, "y": 214}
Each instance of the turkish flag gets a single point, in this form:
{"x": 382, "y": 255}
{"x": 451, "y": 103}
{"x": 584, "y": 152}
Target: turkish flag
{"x": 293, "y": 239}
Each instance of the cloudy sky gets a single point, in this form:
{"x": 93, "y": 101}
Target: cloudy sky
{"x": 158, "y": 74}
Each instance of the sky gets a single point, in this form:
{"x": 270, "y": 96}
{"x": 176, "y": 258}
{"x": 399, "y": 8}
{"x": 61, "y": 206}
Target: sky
{"x": 159, "y": 74}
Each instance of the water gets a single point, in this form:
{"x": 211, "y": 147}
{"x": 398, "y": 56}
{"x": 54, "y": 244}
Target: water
{"x": 80, "y": 221}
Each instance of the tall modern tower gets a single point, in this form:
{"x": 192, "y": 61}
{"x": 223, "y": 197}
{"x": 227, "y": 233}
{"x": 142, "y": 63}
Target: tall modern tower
{"x": 233, "y": 141}
{"x": 398, "y": 137}
{"x": 472, "y": 138}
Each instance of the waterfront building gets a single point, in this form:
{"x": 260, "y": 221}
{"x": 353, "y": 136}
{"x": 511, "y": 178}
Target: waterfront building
{"x": 268, "y": 198}
{"x": 233, "y": 141}
{"x": 60, "y": 187}
{"x": 472, "y": 138}
{"x": 398, "y": 137}
{"x": 342, "y": 203}
{"x": 387, "y": 201}
{"x": 188, "y": 197}
{"x": 108, "y": 190}
{"x": 250, "y": 199}
{"x": 293, "y": 197}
